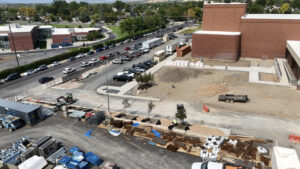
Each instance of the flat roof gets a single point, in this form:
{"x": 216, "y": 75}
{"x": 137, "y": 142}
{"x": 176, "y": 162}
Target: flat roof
{"x": 61, "y": 31}
{"x": 78, "y": 30}
{"x": 272, "y": 16}
{"x": 17, "y": 28}
{"x": 294, "y": 49}
{"x": 217, "y": 33}
{"x": 3, "y": 34}
{"x": 45, "y": 26}
{"x": 222, "y": 3}
{"x": 18, "y": 106}
{"x": 286, "y": 158}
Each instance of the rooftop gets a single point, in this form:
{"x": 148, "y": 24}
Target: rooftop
{"x": 218, "y": 33}
{"x": 15, "y": 28}
{"x": 221, "y": 3}
{"x": 272, "y": 16}
{"x": 26, "y": 108}
{"x": 60, "y": 31}
{"x": 45, "y": 26}
{"x": 78, "y": 30}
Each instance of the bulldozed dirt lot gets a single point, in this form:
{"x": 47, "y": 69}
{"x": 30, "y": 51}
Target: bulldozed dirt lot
{"x": 204, "y": 87}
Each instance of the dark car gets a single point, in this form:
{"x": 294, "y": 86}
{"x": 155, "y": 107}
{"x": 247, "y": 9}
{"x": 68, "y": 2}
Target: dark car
{"x": 45, "y": 79}
{"x": 141, "y": 65}
{"x": 12, "y": 77}
{"x": 123, "y": 78}
{"x": 148, "y": 63}
{"x": 125, "y": 58}
{"x": 42, "y": 67}
{"x": 70, "y": 59}
{"x": 91, "y": 52}
{"x": 99, "y": 50}
{"x": 105, "y": 47}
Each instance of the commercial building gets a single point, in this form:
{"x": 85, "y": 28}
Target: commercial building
{"x": 28, "y": 37}
{"x": 30, "y": 114}
{"x": 229, "y": 33}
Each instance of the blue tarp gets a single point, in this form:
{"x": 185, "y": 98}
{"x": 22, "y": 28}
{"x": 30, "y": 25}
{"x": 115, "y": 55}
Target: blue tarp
{"x": 74, "y": 149}
{"x": 83, "y": 165}
{"x": 88, "y": 134}
{"x": 72, "y": 164}
{"x": 93, "y": 158}
{"x": 157, "y": 134}
{"x": 64, "y": 160}
{"x": 135, "y": 124}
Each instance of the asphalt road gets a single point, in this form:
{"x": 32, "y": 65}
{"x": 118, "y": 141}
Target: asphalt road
{"x": 19, "y": 86}
{"x": 127, "y": 151}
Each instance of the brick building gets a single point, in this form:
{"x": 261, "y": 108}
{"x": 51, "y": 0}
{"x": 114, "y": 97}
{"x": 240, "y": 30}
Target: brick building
{"x": 229, "y": 33}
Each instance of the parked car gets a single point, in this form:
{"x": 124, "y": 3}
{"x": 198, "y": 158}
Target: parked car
{"x": 99, "y": 50}
{"x": 123, "y": 78}
{"x": 146, "y": 50}
{"x": 72, "y": 58}
{"x": 93, "y": 61}
{"x": 91, "y": 52}
{"x": 148, "y": 63}
{"x": 69, "y": 70}
{"x": 85, "y": 64}
{"x": 45, "y": 79}
{"x": 12, "y": 77}
{"x": 105, "y": 47}
{"x": 30, "y": 72}
{"x": 1, "y": 81}
{"x": 127, "y": 48}
{"x": 207, "y": 165}
{"x": 42, "y": 67}
{"x": 117, "y": 61}
{"x": 54, "y": 64}
{"x": 125, "y": 58}
{"x": 103, "y": 57}
{"x": 139, "y": 69}
{"x": 80, "y": 56}
{"x": 141, "y": 65}
{"x": 116, "y": 53}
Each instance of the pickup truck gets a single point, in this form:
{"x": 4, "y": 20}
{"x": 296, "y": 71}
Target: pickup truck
{"x": 231, "y": 98}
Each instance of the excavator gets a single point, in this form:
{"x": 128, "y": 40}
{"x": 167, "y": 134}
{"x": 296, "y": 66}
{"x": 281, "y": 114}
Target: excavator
{"x": 64, "y": 100}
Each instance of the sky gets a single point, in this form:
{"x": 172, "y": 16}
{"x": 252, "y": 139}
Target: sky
{"x": 49, "y": 1}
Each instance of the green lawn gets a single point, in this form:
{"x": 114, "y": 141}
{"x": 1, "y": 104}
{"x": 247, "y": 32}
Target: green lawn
{"x": 191, "y": 30}
{"x": 116, "y": 30}
{"x": 68, "y": 26}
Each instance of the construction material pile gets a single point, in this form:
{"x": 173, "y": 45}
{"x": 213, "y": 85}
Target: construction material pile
{"x": 211, "y": 148}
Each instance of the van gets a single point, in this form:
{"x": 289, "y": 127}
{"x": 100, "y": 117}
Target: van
{"x": 12, "y": 77}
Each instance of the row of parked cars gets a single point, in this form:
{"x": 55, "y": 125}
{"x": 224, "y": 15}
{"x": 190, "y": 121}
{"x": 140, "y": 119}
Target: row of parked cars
{"x": 129, "y": 73}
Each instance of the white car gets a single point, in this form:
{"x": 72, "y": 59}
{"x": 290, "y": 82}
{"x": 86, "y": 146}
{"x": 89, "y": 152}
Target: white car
{"x": 207, "y": 165}
{"x": 117, "y": 61}
{"x": 85, "y": 64}
{"x": 80, "y": 56}
{"x": 69, "y": 70}
{"x": 94, "y": 60}
{"x": 126, "y": 73}
{"x": 54, "y": 64}
{"x": 30, "y": 72}
{"x": 139, "y": 70}
{"x": 146, "y": 50}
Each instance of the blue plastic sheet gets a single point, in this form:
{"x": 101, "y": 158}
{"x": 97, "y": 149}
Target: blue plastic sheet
{"x": 135, "y": 124}
{"x": 151, "y": 143}
{"x": 157, "y": 134}
{"x": 88, "y": 134}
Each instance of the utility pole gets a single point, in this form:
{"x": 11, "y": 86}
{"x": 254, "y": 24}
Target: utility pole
{"x": 107, "y": 93}
{"x": 12, "y": 38}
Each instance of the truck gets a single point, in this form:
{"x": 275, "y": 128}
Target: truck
{"x": 170, "y": 49}
{"x": 159, "y": 56}
{"x": 151, "y": 43}
{"x": 231, "y": 98}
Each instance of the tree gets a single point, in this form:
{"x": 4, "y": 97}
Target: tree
{"x": 284, "y": 7}
{"x": 191, "y": 13}
{"x": 181, "y": 115}
{"x": 119, "y": 5}
{"x": 255, "y": 8}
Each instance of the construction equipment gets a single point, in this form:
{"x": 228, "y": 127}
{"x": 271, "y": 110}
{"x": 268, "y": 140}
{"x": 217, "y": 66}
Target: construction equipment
{"x": 10, "y": 122}
{"x": 68, "y": 99}
{"x": 231, "y": 98}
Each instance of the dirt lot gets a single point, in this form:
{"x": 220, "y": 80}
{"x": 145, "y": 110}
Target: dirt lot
{"x": 201, "y": 86}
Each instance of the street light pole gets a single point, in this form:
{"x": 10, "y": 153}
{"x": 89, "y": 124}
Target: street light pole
{"x": 12, "y": 38}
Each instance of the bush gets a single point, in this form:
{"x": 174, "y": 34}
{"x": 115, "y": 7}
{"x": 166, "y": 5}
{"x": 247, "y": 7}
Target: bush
{"x": 94, "y": 35}
{"x": 36, "y": 64}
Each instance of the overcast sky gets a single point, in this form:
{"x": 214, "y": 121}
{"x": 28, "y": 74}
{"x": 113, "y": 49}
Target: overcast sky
{"x": 49, "y": 1}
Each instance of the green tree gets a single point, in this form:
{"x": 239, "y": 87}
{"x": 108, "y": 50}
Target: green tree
{"x": 255, "y": 8}
{"x": 181, "y": 115}
{"x": 284, "y": 7}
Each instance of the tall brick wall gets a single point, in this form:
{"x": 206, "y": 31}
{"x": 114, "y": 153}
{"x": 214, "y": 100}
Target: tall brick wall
{"x": 24, "y": 40}
{"x": 57, "y": 39}
{"x": 223, "y": 17}
{"x": 266, "y": 38}
{"x": 223, "y": 47}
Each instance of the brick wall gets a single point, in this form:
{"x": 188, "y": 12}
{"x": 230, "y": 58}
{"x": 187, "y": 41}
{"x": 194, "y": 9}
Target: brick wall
{"x": 266, "y": 39}
{"x": 223, "y": 47}
{"x": 57, "y": 39}
{"x": 223, "y": 17}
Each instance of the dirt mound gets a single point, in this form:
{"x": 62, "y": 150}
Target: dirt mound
{"x": 212, "y": 90}
{"x": 178, "y": 74}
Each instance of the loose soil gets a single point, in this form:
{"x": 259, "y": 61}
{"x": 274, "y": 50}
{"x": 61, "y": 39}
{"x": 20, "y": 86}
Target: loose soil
{"x": 204, "y": 86}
